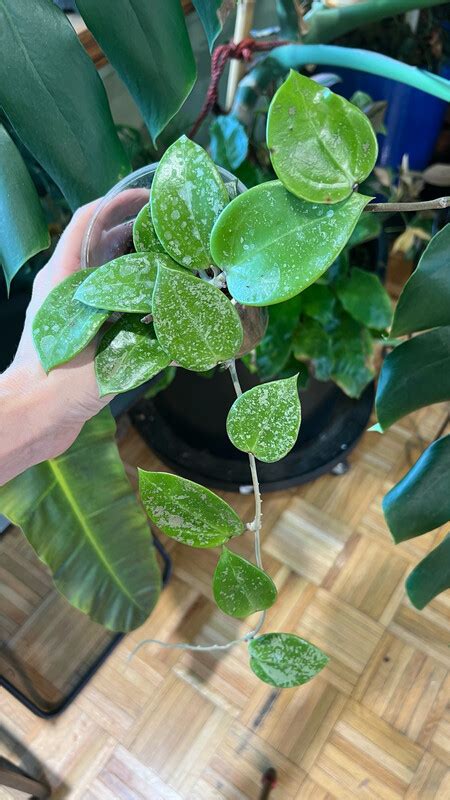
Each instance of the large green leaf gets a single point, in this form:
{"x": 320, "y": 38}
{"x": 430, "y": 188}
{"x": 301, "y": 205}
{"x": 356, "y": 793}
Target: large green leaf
{"x": 265, "y": 420}
{"x": 425, "y": 300}
{"x": 228, "y": 143}
{"x": 186, "y": 511}
{"x": 128, "y": 355}
{"x": 148, "y": 45}
{"x": 63, "y": 326}
{"x": 320, "y": 144}
{"x": 188, "y": 195}
{"x": 23, "y": 229}
{"x": 144, "y": 234}
{"x": 80, "y": 515}
{"x": 240, "y": 588}
{"x": 50, "y": 90}
{"x": 284, "y": 660}
{"x": 273, "y": 245}
{"x": 312, "y": 343}
{"x": 364, "y": 297}
{"x": 273, "y": 351}
{"x": 194, "y": 322}
{"x": 431, "y": 576}
{"x": 420, "y": 502}
{"x": 414, "y": 375}
{"x": 352, "y": 349}
{"x": 124, "y": 284}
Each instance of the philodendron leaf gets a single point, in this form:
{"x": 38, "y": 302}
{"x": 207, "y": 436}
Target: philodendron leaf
{"x": 187, "y": 196}
{"x": 195, "y": 322}
{"x": 431, "y": 576}
{"x": 285, "y": 660}
{"x": 128, "y": 355}
{"x": 228, "y": 142}
{"x": 240, "y": 588}
{"x": 364, "y": 297}
{"x": 144, "y": 234}
{"x": 124, "y": 284}
{"x": 186, "y": 511}
{"x": 320, "y": 144}
{"x": 63, "y": 326}
{"x": 265, "y": 420}
{"x": 272, "y": 245}
{"x": 213, "y": 14}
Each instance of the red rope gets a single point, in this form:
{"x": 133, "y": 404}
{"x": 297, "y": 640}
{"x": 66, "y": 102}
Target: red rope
{"x": 243, "y": 51}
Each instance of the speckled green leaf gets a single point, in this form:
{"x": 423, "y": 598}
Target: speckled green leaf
{"x": 186, "y": 511}
{"x": 273, "y": 245}
{"x": 364, "y": 297}
{"x": 194, "y": 322}
{"x": 129, "y": 354}
{"x": 265, "y": 420}
{"x": 240, "y": 588}
{"x": 320, "y": 144}
{"x": 188, "y": 195}
{"x": 144, "y": 234}
{"x": 125, "y": 284}
{"x": 63, "y": 326}
{"x": 285, "y": 660}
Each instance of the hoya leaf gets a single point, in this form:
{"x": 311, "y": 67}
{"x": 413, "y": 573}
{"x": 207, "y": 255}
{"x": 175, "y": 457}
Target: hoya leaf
{"x": 128, "y": 355}
{"x": 320, "y": 144}
{"x": 63, "y": 326}
{"x": 124, "y": 284}
{"x": 364, "y": 297}
{"x": 352, "y": 351}
{"x": 273, "y": 351}
{"x": 195, "y": 322}
{"x": 188, "y": 195}
{"x": 285, "y": 660}
{"x": 367, "y": 228}
{"x": 319, "y": 302}
{"x": 240, "y": 588}
{"x": 144, "y": 234}
{"x": 228, "y": 142}
{"x": 272, "y": 245}
{"x": 431, "y": 576}
{"x": 312, "y": 343}
{"x": 186, "y": 511}
{"x": 213, "y": 14}
{"x": 265, "y": 420}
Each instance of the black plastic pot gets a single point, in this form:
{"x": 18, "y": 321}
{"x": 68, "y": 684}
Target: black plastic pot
{"x": 186, "y": 426}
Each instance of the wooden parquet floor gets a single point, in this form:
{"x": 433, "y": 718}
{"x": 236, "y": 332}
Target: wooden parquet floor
{"x": 172, "y": 725}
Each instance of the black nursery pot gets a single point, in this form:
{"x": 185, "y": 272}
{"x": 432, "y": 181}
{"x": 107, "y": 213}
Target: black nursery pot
{"x": 186, "y": 426}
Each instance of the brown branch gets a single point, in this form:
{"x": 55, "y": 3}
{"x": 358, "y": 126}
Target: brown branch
{"x": 424, "y": 205}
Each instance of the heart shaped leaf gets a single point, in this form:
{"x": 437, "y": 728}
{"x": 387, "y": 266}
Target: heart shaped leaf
{"x": 364, "y": 297}
{"x": 320, "y": 144}
{"x": 240, "y": 588}
{"x": 272, "y": 245}
{"x": 186, "y": 511}
{"x": 188, "y": 195}
{"x": 144, "y": 234}
{"x": 195, "y": 322}
{"x": 63, "y": 326}
{"x": 265, "y": 420}
{"x": 285, "y": 660}
{"x": 228, "y": 142}
{"x": 124, "y": 284}
{"x": 129, "y": 354}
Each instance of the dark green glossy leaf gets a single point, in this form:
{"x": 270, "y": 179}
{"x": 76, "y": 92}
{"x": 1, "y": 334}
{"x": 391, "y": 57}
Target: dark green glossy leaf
{"x": 63, "y": 326}
{"x": 312, "y": 343}
{"x": 319, "y": 302}
{"x": 364, "y": 297}
{"x": 352, "y": 348}
{"x": 425, "y": 300}
{"x": 23, "y": 229}
{"x": 285, "y": 660}
{"x": 414, "y": 375}
{"x": 228, "y": 142}
{"x": 161, "y": 382}
{"x": 99, "y": 549}
{"x": 144, "y": 234}
{"x": 240, "y": 588}
{"x": 124, "y": 284}
{"x": 367, "y": 228}
{"x": 265, "y": 420}
{"x": 55, "y": 100}
{"x": 188, "y": 195}
{"x": 186, "y": 511}
{"x": 213, "y": 14}
{"x": 194, "y": 322}
{"x": 273, "y": 352}
{"x": 273, "y": 245}
{"x": 320, "y": 144}
{"x": 128, "y": 355}
{"x": 420, "y": 502}
{"x": 145, "y": 41}
{"x": 431, "y": 576}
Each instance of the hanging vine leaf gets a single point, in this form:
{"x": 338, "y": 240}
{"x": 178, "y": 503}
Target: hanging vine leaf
{"x": 431, "y": 576}
{"x": 312, "y": 343}
{"x": 364, "y": 297}
{"x": 319, "y": 303}
{"x": 186, "y": 511}
{"x": 194, "y": 322}
{"x": 228, "y": 142}
{"x": 128, "y": 355}
{"x": 124, "y": 284}
{"x": 144, "y": 234}
{"x": 320, "y": 144}
{"x": 188, "y": 195}
{"x": 240, "y": 588}
{"x": 273, "y": 351}
{"x": 63, "y": 326}
{"x": 285, "y": 660}
{"x": 265, "y": 420}
{"x": 273, "y": 245}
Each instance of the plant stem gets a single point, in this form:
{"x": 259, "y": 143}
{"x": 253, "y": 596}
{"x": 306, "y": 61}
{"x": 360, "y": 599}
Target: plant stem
{"x": 424, "y": 205}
